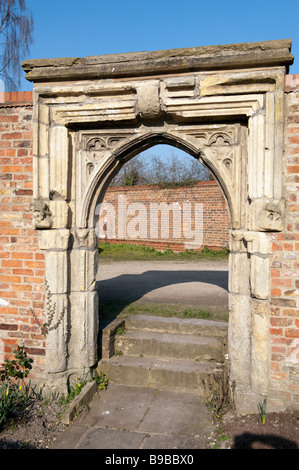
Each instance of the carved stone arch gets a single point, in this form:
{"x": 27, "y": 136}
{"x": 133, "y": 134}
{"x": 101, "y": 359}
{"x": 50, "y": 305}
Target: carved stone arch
{"x": 223, "y": 105}
{"x": 132, "y": 146}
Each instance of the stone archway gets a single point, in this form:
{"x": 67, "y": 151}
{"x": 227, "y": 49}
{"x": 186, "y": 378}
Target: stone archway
{"x": 224, "y": 105}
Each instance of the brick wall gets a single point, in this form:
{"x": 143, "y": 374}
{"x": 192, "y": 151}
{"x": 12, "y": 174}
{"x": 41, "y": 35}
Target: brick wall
{"x": 208, "y": 193}
{"x": 21, "y": 263}
{"x": 284, "y": 317}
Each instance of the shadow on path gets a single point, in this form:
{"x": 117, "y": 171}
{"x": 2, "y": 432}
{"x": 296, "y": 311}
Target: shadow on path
{"x": 199, "y": 288}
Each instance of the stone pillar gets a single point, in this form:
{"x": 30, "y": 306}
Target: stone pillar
{"x": 259, "y": 250}
{"x": 83, "y": 341}
{"x": 239, "y": 318}
{"x": 71, "y": 264}
{"x": 249, "y": 317}
{"x": 55, "y": 244}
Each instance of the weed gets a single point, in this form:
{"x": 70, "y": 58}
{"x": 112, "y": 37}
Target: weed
{"x": 120, "y": 331}
{"x": 218, "y": 396}
{"x": 12, "y": 425}
{"x": 74, "y": 390}
{"x": 47, "y": 398}
{"x": 262, "y": 409}
{"x": 14, "y": 392}
{"x": 51, "y": 309}
{"x": 118, "y": 352}
{"x": 17, "y": 368}
{"x": 218, "y": 439}
{"x": 101, "y": 381}
{"x": 222, "y": 436}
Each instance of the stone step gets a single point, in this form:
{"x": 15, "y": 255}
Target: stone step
{"x": 158, "y": 344}
{"x": 186, "y": 326}
{"x": 203, "y": 378}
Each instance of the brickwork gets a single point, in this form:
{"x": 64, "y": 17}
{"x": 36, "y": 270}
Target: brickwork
{"x": 284, "y": 315}
{"x": 215, "y": 223}
{"x": 21, "y": 263}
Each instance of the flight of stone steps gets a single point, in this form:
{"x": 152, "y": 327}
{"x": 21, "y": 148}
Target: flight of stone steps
{"x": 166, "y": 354}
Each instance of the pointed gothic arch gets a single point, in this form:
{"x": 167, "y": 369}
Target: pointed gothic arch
{"x": 104, "y": 173}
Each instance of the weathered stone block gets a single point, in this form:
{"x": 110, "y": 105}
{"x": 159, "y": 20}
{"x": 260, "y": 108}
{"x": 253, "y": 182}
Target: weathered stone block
{"x": 83, "y": 341}
{"x": 260, "y": 277}
{"x": 54, "y": 239}
{"x": 60, "y": 213}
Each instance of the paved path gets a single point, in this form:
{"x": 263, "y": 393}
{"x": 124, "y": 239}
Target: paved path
{"x": 201, "y": 284}
{"x": 128, "y": 417}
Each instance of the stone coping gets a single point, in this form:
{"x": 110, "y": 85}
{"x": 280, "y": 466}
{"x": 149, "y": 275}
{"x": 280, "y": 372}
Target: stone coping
{"x": 134, "y": 64}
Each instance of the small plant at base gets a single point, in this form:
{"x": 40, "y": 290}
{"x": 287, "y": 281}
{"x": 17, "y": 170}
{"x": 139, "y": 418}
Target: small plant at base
{"x": 101, "y": 381}
{"x": 13, "y": 390}
{"x": 120, "y": 331}
{"x": 19, "y": 367}
{"x": 46, "y": 327}
{"x": 262, "y": 409}
{"x": 74, "y": 390}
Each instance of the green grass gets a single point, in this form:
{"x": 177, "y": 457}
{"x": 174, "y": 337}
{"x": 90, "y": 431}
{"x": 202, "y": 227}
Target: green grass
{"x": 126, "y": 252}
{"x": 115, "y": 309}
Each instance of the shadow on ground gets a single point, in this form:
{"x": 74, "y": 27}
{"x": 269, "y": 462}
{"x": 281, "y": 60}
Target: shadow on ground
{"x": 249, "y": 441}
{"x": 205, "y": 289}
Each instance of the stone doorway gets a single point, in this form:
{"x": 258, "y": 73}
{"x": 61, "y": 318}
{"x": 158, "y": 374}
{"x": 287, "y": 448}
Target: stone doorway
{"x": 223, "y": 105}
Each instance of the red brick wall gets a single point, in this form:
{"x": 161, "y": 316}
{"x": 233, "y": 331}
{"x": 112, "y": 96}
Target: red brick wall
{"x": 207, "y": 193}
{"x": 21, "y": 263}
{"x": 284, "y": 316}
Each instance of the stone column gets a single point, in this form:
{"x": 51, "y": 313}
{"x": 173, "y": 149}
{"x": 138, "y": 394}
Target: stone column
{"x": 249, "y": 317}
{"x": 259, "y": 249}
{"x": 55, "y": 244}
{"x": 239, "y": 317}
{"x": 71, "y": 264}
{"x": 83, "y": 341}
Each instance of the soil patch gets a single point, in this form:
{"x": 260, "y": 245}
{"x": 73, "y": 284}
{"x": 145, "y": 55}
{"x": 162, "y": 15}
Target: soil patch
{"x": 280, "y": 431}
{"x": 35, "y": 427}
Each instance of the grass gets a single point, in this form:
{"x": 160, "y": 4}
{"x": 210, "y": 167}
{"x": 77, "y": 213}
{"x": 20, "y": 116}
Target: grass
{"x": 126, "y": 251}
{"x": 115, "y": 309}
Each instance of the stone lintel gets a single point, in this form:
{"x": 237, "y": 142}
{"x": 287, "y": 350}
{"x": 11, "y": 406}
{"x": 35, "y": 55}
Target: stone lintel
{"x": 232, "y": 56}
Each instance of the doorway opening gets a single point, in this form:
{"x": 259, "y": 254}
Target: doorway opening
{"x": 170, "y": 262}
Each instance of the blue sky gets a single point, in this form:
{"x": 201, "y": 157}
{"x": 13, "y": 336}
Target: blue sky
{"x": 74, "y": 28}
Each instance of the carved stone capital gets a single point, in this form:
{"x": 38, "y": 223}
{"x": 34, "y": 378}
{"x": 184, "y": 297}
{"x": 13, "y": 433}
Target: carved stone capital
{"x": 42, "y": 214}
{"x": 85, "y": 238}
{"x": 267, "y": 215}
{"x": 256, "y": 242}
